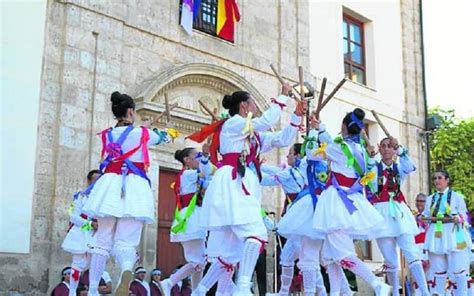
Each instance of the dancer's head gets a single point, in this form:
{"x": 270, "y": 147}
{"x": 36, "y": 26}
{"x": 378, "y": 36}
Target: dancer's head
{"x": 140, "y": 273}
{"x": 240, "y": 102}
{"x": 123, "y": 107}
{"x": 156, "y": 275}
{"x": 387, "y": 150}
{"x": 294, "y": 154}
{"x": 66, "y": 274}
{"x": 441, "y": 180}
{"x": 189, "y": 157}
{"x": 81, "y": 290}
{"x": 420, "y": 202}
{"x": 92, "y": 176}
{"x": 352, "y": 124}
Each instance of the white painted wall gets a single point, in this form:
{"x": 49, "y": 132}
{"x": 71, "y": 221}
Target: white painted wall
{"x": 22, "y": 30}
{"x": 384, "y": 91}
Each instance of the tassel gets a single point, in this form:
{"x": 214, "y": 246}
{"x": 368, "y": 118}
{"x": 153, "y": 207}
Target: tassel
{"x": 439, "y": 226}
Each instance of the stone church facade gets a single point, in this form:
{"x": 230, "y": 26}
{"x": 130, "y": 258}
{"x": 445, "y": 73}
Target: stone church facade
{"x": 93, "y": 48}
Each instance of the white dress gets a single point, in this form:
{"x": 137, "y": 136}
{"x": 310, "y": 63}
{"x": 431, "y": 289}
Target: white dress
{"x": 228, "y": 212}
{"x": 77, "y": 241}
{"x": 225, "y": 203}
{"x": 398, "y": 217}
{"x": 190, "y": 180}
{"x": 451, "y": 234}
{"x": 106, "y": 200}
{"x": 298, "y": 216}
{"x": 331, "y": 214}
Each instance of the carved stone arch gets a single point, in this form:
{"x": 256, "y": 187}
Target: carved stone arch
{"x": 185, "y": 85}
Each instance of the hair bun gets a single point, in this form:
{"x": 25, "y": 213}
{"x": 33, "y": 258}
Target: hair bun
{"x": 359, "y": 113}
{"x": 177, "y": 155}
{"x": 116, "y": 98}
{"x": 227, "y": 102}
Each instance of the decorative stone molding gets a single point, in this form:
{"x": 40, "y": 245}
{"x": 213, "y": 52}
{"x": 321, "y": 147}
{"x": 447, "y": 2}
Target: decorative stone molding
{"x": 187, "y": 84}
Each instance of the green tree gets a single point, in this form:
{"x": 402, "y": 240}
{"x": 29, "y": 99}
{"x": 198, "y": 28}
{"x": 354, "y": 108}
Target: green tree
{"x": 452, "y": 149}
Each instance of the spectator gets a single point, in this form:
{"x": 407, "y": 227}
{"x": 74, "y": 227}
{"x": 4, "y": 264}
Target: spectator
{"x": 139, "y": 287}
{"x": 62, "y": 289}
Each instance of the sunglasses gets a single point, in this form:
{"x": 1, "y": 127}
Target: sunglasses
{"x": 438, "y": 178}
{"x": 420, "y": 201}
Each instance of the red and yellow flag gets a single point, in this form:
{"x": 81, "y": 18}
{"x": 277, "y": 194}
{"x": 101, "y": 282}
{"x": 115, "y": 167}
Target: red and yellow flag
{"x": 227, "y": 15}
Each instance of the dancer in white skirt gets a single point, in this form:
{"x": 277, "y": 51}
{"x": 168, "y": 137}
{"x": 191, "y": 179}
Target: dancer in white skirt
{"x": 189, "y": 189}
{"x": 80, "y": 234}
{"x": 232, "y": 205}
{"x": 121, "y": 199}
{"x": 400, "y": 223}
{"x": 447, "y": 238}
{"x": 302, "y": 241}
{"x": 343, "y": 211}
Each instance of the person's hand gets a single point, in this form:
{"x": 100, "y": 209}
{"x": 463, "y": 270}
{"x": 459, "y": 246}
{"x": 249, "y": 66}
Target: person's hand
{"x": 205, "y": 149}
{"x": 95, "y": 225}
{"x": 394, "y": 142}
{"x": 371, "y": 150}
{"x": 286, "y": 89}
{"x": 301, "y": 108}
{"x": 314, "y": 122}
{"x": 146, "y": 123}
{"x": 456, "y": 219}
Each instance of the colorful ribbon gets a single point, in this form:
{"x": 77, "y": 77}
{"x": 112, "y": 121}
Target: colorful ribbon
{"x": 248, "y": 128}
{"x": 181, "y": 221}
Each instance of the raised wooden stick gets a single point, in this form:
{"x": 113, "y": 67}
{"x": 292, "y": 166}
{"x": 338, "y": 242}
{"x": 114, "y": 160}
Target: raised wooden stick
{"x": 166, "y": 112}
{"x": 300, "y": 74}
{"x": 365, "y": 137}
{"x": 167, "y": 106}
{"x": 334, "y": 91}
{"x": 376, "y": 116}
{"x": 320, "y": 98}
{"x": 212, "y": 114}
{"x": 277, "y": 74}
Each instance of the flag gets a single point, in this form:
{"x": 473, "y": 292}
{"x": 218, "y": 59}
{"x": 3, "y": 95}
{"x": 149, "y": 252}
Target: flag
{"x": 196, "y": 7}
{"x": 227, "y": 15}
{"x": 187, "y": 16}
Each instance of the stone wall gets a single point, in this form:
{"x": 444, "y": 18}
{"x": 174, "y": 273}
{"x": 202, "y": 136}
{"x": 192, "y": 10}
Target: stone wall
{"x": 96, "y": 47}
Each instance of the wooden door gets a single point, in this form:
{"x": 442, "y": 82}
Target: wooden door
{"x": 169, "y": 255}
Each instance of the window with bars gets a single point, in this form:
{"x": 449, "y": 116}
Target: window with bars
{"x": 206, "y": 19}
{"x": 354, "y": 51}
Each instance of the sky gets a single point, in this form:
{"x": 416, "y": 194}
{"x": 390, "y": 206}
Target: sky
{"x": 449, "y": 54}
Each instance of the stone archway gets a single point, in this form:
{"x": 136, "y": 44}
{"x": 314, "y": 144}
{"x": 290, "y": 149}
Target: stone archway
{"x": 187, "y": 84}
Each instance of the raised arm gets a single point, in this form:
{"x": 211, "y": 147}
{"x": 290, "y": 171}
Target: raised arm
{"x": 273, "y": 175}
{"x": 282, "y": 138}
{"x": 406, "y": 165}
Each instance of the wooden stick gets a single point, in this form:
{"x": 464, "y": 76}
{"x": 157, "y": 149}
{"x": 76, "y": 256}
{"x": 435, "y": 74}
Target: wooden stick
{"x": 166, "y": 112}
{"x": 167, "y": 106}
{"x": 277, "y": 74}
{"x": 300, "y": 74}
{"x": 320, "y": 98}
{"x": 435, "y": 219}
{"x": 365, "y": 137}
{"x": 334, "y": 91}
{"x": 214, "y": 116}
{"x": 376, "y": 116}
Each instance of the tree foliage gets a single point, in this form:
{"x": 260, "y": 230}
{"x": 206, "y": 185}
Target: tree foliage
{"x": 452, "y": 149}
